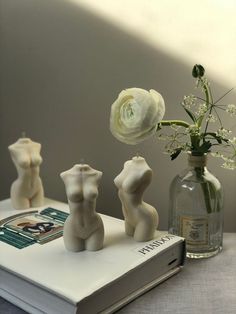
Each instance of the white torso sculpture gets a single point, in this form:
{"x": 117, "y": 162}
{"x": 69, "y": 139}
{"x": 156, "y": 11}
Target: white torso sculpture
{"x": 141, "y": 219}
{"x": 83, "y": 228}
{"x": 27, "y": 189}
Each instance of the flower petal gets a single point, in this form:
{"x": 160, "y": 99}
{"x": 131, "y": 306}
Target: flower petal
{"x": 135, "y": 114}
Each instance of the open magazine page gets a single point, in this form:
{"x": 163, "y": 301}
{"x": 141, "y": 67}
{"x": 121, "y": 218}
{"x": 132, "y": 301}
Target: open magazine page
{"x": 23, "y": 229}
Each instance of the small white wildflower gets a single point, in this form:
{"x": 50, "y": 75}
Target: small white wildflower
{"x": 226, "y": 158}
{"x": 202, "y": 82}
{"x": 211, "y": 118}
{"x": 193, "y": 130}
{"x": 189, "y": 101}
{"x": 202, "y": 109}
{"x": 217, "y": 154}
{"x": 231, "y": 109}
{"x": 229, "y": 164}
{"x": 233, "y": 140}
{"x": 223, "y": 133}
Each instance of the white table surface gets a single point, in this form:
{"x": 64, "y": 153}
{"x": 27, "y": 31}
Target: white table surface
{"x": 203, "y": 286}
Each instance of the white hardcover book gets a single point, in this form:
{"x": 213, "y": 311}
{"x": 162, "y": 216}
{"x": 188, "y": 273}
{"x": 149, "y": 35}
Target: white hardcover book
{"x": 40, "y": 276}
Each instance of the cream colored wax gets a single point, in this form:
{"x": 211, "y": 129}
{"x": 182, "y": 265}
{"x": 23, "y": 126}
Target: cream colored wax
{"x": 141, "y": 219}
{"x": 83, "y": 228}
{"x": 27, "y": 189}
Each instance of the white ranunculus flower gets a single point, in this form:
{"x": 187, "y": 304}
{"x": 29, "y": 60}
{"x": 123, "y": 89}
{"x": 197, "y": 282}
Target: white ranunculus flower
{"x": 135, "y": 115}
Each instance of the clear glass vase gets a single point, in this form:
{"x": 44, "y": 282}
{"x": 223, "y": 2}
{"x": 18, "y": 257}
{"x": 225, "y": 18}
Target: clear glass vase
{"x": 196, "y": 209}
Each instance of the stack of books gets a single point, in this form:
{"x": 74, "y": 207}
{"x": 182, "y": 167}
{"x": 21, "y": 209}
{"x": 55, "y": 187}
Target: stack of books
{"x": 38, "y": 275}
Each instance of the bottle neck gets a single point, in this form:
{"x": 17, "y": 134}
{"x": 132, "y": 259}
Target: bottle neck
{"x": 195, "y": 161}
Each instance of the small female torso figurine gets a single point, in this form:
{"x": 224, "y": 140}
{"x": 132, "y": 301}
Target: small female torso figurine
{"x": 141, "y": 219}
{"x": 83, "y": 228}
{"x": 27, "y": 189}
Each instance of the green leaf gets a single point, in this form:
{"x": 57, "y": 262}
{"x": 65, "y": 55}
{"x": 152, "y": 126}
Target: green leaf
{"x": 225, "y": 140}
{"x": 190, "y": 114}
{"x": 215, "y": 136}
{"x": 204, "y": 148}
{"x": 176, "y": 153}
{"x": 199, "y": 120}
{"x": 158, "y": 127}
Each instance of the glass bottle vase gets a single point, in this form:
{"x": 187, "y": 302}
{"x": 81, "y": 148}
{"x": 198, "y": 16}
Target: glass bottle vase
{"x": 196, "y": 208}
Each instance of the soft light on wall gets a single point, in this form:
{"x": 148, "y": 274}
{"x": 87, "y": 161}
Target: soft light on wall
{"x": 201, "y": 31}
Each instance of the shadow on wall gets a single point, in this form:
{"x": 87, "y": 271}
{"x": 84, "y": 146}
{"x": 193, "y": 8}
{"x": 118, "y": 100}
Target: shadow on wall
{"x": 61, "y": 69}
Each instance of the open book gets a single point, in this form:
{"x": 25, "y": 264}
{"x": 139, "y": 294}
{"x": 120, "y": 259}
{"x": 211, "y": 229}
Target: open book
{"x": 42, "y": 277}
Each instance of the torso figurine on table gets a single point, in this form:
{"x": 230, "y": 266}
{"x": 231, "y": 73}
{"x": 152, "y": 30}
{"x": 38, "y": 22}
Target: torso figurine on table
{"x": 83, "y": 228}
{"x": 27, "y": 189}
{"x": 141, "y": 219}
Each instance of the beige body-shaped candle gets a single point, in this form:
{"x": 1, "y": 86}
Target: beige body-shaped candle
{"x": 83, "y": 229}
{"x": 27, "y": 189}
{"x": 141, "y": 219}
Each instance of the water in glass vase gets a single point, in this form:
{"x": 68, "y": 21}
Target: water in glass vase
{"x": 196, "y": 209}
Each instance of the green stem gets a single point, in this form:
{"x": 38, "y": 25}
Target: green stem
{"x": 209, "y": 101}
{"x": 195, "y": 142}
{"x": 205, "y": 189}
{"x": 174, "y": 122}
{"x": 209, "y": 192}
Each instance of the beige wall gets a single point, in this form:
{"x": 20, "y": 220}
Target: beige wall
{"x": 61, "y": 67}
